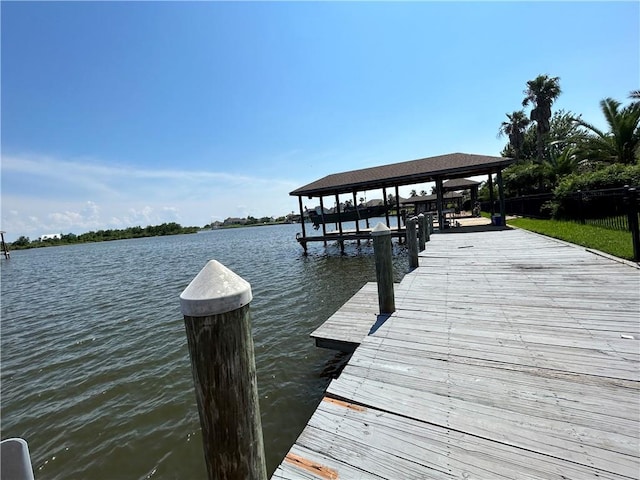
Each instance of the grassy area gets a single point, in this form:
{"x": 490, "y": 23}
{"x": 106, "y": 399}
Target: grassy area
{"x": 614, "y": 242}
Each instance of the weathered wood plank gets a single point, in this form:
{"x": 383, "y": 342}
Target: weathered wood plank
{"x": 510, "y": 355}
{"x": 400, "y": 448}
{"x": 578, "y": 444}
{"x": 353, "y": 321}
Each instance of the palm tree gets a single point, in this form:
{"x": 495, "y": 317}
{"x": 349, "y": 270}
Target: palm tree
{"x": 413, "y": 193}
{"x": 515, "y": 129}
{"x": 622, "y": 142}
{"x": 541, "y": 92}
{"x": 561, "y": 164}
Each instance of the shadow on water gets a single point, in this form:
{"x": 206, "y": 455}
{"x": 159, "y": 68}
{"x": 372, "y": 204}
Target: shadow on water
{"x": 333, "y": 368}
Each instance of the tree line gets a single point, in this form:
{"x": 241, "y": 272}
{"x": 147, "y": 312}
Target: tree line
{"x": 171, "y": 228}
{"x": 560, "y": 152}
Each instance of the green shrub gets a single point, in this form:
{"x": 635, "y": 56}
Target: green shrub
{"x": 612, "y": 176}
{"x": 569, "y": 204}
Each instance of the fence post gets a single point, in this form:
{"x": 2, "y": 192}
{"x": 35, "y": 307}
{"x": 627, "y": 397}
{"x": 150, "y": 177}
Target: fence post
{"x": 412, "y": 242}
{"x": 430, "y": 220}
{"x": 422, "y": 232}
{"x": 581, "y": 206}
{"x": 384, "y": 268}
{"x": 631, "y": 197}
{"x": 217, "y": 321}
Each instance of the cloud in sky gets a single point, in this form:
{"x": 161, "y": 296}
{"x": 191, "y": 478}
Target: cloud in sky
{"x": 208, "y": 123}
{"x": 46, "y": 195}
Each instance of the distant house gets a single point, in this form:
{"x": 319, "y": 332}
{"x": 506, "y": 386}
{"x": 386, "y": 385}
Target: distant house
{"x": 234, "y": 221}
{"x": 51, "y": 236}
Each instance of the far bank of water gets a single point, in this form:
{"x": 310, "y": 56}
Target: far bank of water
{"x": 94, "y": 366}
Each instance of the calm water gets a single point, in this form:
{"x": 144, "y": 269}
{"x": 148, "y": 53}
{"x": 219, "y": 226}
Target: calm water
{"x": 94, "y": 365}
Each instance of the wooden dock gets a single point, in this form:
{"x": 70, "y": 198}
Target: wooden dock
{"x": 509, "y": 356}
{"x": 346, "y": 328}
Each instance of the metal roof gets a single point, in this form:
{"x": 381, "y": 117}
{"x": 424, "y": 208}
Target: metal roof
{"x": 453, "y": 165}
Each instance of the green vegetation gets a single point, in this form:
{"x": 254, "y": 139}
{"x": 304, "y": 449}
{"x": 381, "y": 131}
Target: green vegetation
{"x": 105, "y": 235}
{"x": 541, "y": 92}
{"x": 614, "y": 242}
{"x": 559, "y": 153}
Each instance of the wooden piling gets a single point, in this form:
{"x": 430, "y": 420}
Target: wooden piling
{"x": 430, "y": 221}
{"x": 412, "y": 242}
{"x": 5, "y": 249}
{"x": 384, "y": 268}
{"x": 427, "y": 229}
{"x": 217, "y": 321}
{"x": 422, "y": 232}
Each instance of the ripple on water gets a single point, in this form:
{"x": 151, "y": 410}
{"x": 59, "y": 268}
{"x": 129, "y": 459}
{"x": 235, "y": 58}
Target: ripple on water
{"x": 94, "y": 364}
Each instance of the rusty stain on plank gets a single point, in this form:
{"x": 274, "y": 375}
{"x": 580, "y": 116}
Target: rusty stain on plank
{"x": 342, "y": 403}
{"x": 311, "y": 466}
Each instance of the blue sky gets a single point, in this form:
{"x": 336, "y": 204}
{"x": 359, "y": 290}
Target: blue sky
{"x": 117, "y": 114}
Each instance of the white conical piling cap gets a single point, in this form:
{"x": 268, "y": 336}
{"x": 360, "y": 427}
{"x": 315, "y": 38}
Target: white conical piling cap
{"x": 380, "y": 229}
{"x": 215, "y": 290}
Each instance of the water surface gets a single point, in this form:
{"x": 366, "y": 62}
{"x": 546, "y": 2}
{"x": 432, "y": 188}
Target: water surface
{"x": 95, "y": 372}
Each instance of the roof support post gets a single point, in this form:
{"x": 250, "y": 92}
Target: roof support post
{"x": 324, "y": 227}
{"x": 492, "y": 209}
{"x": 355, "y": 205}
{"x": 304, "y": 232}
{"x": 386, "y": 205}
{"x": 503, "y": 212}
{"x": 474, "y": 196}
{"x": 439, "y": 203}
{"x": 341, "y": 241}
{"x": 398, "y": 208}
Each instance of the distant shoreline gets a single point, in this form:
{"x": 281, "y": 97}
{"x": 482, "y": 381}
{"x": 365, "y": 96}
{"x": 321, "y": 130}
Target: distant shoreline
{"x": 239, "y": 225}
{"x": 166, "y": 229}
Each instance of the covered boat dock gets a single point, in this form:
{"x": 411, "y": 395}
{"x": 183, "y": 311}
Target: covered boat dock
{"x": 437, "y": 169}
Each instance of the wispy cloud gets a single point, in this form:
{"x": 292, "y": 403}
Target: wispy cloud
{"x": 45, "y": 194}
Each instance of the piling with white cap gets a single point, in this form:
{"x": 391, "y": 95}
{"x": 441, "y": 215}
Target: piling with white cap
{"x": 217, "y": 321}
{"x": 15, "y": 462}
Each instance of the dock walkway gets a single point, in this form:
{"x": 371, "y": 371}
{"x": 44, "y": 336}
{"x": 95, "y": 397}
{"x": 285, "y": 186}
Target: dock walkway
{"x": 510, "y": 355}
{"x": 345, "y": 329}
